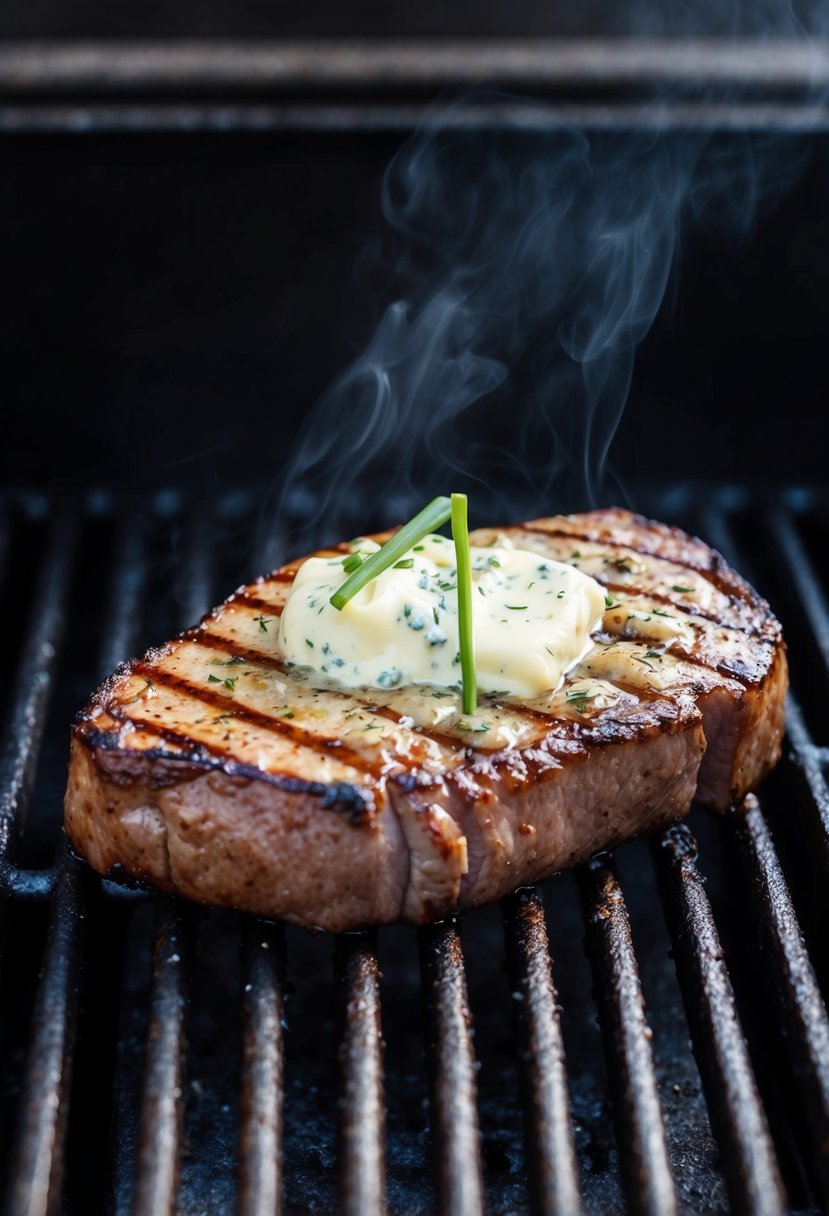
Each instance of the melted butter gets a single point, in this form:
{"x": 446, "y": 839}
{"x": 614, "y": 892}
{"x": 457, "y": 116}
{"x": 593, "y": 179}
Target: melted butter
{"x": 650, "y": 622}
{"x": 532, "y": 620}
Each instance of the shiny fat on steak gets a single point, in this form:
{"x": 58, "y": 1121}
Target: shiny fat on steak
{"x": 210, "y": 769}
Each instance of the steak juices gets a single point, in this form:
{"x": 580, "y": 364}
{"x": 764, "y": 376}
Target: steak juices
{"x": 222, "y": 767}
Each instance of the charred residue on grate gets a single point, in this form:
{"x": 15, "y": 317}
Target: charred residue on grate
{"x": 207, "y": 1061}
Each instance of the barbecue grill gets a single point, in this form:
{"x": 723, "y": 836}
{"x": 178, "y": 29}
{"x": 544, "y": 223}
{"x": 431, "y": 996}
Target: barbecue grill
{"x": 647, "y": 1034}
{"x": 161, "y": 1058}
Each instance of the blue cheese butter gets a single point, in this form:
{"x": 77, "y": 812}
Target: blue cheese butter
{"x": 532, "y": 620}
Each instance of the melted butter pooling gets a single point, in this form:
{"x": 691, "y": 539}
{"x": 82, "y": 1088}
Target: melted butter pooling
{"x": 532, "y": 620}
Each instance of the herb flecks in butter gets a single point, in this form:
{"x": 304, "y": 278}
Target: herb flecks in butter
{"x": 532, "y": 620}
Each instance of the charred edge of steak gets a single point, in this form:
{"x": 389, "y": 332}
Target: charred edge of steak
{"x": 711, "y": 564}
{"x": 123, "y": 766}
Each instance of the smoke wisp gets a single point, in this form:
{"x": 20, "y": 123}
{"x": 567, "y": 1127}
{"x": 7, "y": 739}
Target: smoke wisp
{"x": 524, "y": 269}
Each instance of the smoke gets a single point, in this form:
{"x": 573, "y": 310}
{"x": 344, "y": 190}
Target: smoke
{"x": 524, "y": 267}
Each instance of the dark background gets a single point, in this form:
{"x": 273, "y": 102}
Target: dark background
{"x": 172, "y": 305}
{"x": 379, "y": 18}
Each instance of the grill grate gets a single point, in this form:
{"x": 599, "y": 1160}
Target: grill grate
{"x": 215, "y": 1062}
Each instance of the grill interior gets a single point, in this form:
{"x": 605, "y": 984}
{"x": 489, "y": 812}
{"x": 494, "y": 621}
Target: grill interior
{"x": 159, "y": 1058}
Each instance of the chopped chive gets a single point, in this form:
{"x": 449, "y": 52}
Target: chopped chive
{"x": 405, "y": 563}
{"x": 353, "y": 562}
{"x": 516, "y": 607}
{"x": 580, "y": 694}
{"x": 609, "y": 602}
{"x": 264, "y": 621}
{"x": 662, "y": 612}
{"x": 432, "y": 516}
{"x": 477, "y": 728}
{"x": 211, "y": 679}
{"x": 460, "y": 535}
{"x": 676, "y": 587}
{"x": 229, "y": 683}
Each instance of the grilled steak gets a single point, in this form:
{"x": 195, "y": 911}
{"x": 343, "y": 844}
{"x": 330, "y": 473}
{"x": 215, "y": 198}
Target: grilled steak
{"x": 213, "y": 770}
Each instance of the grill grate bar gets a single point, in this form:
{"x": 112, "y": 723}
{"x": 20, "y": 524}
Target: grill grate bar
{"x": 361, "y": 1106}
{"x": 737, "y": 1117}
{"x": 36, "y": 672}
{"x": 643, "y": 1157}
{"x": 814, "y": 802}
{"x": 260, "y": 1134}
{"x": 158, "y": 1157}
{"x": 794, "y": 554}
{"x": 38, "y": 1162}
{"x": 195, "y": 594}
{"x": 452, "y": 1087}
{"x": 34, "y": 885}
{"x": 125, "y": 594}
{"x": 125, "y": 600}
{"x": 162, "y": 1104}
{"x": 800, "y": 1008}
{"x": 548, "y": 1132}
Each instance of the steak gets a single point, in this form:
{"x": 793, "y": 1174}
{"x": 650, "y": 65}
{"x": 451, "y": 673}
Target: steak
{"x": 212, "y": 769}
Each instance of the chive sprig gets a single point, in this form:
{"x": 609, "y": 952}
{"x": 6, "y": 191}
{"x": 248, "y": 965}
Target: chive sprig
{"x": 433, "y": 516}
{"x": 460, "y": 535}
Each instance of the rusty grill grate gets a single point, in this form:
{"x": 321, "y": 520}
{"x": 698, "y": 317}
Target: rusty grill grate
{"x": 156, "y": 1058}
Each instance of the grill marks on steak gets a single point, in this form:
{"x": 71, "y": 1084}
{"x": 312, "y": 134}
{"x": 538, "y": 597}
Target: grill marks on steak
{"x": 211, "y": 768}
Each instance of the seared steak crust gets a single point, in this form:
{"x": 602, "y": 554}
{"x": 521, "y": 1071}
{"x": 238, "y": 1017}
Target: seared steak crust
{"x": 210, "y": 768}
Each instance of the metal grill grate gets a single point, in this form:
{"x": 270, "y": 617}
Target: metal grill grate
{"x": 156, "y": 1058}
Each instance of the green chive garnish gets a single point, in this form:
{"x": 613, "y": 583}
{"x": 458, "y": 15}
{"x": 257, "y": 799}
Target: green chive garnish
{"x": 352, "y": 562}
{"x": 460, "y": 535}
{"x": 431, "y": 517}
{"x": 405, "y": 563}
